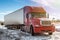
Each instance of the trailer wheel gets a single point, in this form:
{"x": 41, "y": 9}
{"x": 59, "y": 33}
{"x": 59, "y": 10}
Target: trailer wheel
{"x": 32, "y": 31}
{"x": 50, "y": 33}
{"x": 21, "y": 28}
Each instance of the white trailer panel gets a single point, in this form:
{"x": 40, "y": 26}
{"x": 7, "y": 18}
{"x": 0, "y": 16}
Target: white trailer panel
{"x": 16, "y": 17}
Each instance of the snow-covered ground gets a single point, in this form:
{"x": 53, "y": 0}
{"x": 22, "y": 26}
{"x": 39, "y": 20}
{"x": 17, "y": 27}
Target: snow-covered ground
{"x": 6, "y": 34}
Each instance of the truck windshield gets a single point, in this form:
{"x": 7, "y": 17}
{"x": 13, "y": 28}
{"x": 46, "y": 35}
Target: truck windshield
{"x": 38, "y": 15}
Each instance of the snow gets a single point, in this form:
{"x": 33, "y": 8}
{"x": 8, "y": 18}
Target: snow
{"x": 57, "y": 25}
{"x": 2, "y": 27}
{"x": 6, "y": 34}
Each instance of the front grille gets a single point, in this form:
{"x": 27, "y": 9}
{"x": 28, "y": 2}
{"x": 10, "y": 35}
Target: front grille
{"x": 46, "y": 23}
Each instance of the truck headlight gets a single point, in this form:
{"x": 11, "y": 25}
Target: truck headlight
{"x": 37, "y": 25}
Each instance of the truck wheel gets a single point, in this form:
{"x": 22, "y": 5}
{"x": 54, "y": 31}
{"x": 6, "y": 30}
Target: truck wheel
{"x": 31, "y": 31}
{"x": 21, "y": 28}
{"x": 9, "y": 27}
{"x": 50, "y": 33}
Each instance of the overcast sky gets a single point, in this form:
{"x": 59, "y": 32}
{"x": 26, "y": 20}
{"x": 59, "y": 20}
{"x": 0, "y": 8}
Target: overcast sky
{"x": 51, "y": 6}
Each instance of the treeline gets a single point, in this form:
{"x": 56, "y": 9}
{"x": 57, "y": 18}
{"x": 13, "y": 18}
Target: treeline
{"x": 55, "y": 20}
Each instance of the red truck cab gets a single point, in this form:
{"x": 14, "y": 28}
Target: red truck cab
{"x": 36, "y": 21}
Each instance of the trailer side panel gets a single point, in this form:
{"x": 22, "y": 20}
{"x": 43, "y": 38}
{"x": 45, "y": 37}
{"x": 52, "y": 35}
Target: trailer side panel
{"x": 16, "y": 17}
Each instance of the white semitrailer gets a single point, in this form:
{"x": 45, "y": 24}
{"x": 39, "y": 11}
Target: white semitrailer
{"x": 14, "y": 18}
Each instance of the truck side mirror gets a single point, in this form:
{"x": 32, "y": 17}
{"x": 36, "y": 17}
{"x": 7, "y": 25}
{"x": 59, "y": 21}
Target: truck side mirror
{"x": 47, "y": 15}
{"x": 27, "y": 16}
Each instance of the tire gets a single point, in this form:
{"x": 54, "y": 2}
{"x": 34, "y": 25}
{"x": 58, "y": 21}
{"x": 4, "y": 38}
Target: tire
{"x": 10, "y": 27}
{"x": 50, "y": 33}
{"x": 32, "y": 31}
{"x": 21, "y": 28}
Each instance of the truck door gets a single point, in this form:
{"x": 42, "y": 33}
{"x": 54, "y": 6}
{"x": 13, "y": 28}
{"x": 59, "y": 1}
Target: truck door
{"x": 28, "y": 16}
